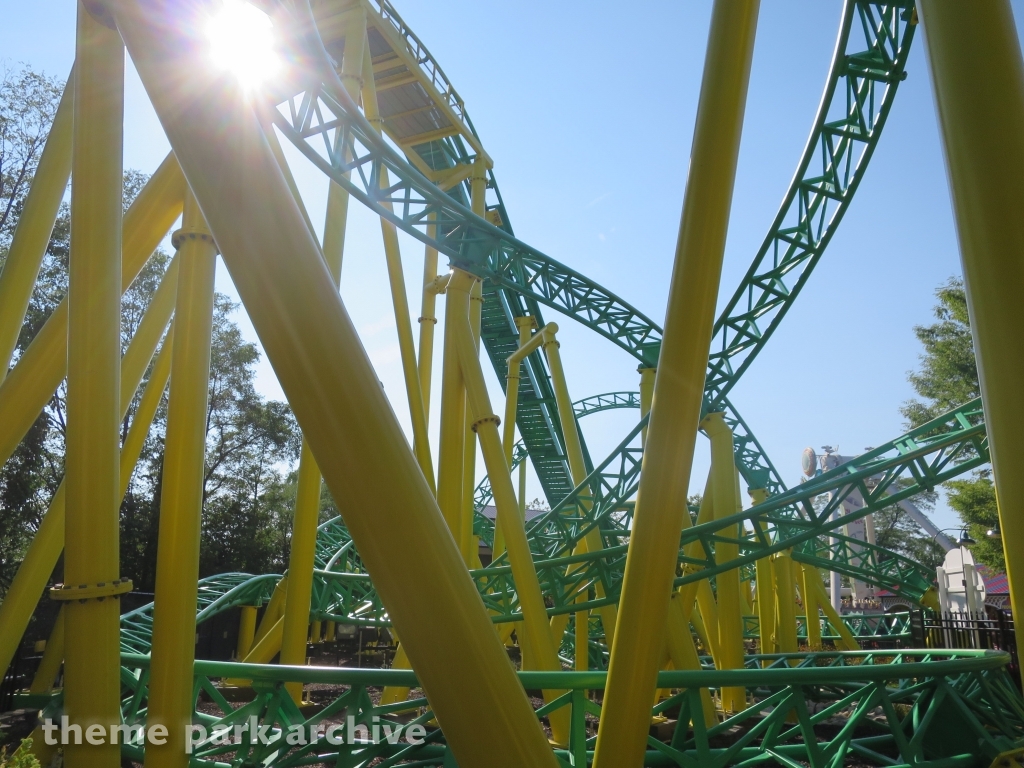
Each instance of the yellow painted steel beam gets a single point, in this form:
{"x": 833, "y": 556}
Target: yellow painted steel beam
{"x": 646, "y": 397}
{"x": 531, "y": 598}
{"x": 452, "y": 439}
{"x": 40, "y": 370}
{"x": 399, "y": 297}
{"x": 246, "y": 630}
{"x": 337, "y": 196}
{"x": 684, "y": 653}
{"x": 428, "y": 322}
{"x": 53, "y": 657}
{"x": 274, "y": 610}
{"x": 577, "y": 465}
{"x": 92, "y": 683}
{"x": 35, "y": 223}
{"x": 808, "y": 573}
{"x": 468, "y": 542}
{"x": 527, "y": 346}
{"x": 268, "y": 646}
{"x": 785, "y": 602}
{"x": 181, "y": 498}
{"x": 660, "y": 512}
{"x": 336, "y": 396}
{"x": 765, "y": 584}
{"x": 846, "y": 637}
{"x": 44, "y": 550}
{"x": 302, "y": 553}
{"x": 983, "y": 139}
{"x": 301, "y": 562}
{"x": 726, "y": 504}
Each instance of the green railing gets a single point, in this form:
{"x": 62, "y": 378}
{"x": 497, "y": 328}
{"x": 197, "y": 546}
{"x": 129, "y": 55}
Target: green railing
{"x": 934, "y": 709}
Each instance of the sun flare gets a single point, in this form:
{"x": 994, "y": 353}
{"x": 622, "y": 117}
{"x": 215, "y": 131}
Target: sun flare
{"x": 241, "y": 38}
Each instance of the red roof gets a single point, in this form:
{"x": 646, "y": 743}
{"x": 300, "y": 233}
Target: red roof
{"x": 995, "y": 582}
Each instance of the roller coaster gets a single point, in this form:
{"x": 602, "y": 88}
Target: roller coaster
{"x": 742, "y": 678}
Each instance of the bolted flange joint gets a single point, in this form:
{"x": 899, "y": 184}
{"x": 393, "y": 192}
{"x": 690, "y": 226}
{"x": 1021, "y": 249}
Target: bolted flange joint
{"x": 484, "y": 420}
{"x": 180, "y": 235}
{"x": 100, "y": 591}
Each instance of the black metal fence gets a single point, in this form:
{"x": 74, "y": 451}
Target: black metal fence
{"x": 988, "y": 631}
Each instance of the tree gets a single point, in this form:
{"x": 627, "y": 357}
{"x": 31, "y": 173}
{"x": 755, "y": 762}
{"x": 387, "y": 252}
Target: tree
{"x": 897, "y": 532}
{"x": 947, "y": 378}
{"x": 253, "y": 443}
{"x": 28, "y": 104}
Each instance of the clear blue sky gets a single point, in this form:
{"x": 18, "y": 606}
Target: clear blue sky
{"x": 587, "y": 109}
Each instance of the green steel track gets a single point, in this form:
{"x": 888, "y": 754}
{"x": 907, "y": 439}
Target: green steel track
{"x": 870, "y": 60}
{"x": 870, "y": 57}
{"x": 927, "y": 708}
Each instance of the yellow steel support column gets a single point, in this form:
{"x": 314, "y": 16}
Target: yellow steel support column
{"x": 660, "y": 512}
{"x": 485, "y": 423}
{"x": 92, "y": 684}
{"x": 300, "y": 567}
{"x": 330, "y": 634}
{"x": 35, "y": 223}
{"x": 983, "y": 138}
{"x": 574, "y": 453}
{"x": 468, "y": 542}
{"x": 329, "y": 382}
{"x": 274, "y": 610}
{"x": 53, "y": 657}
{"x": 47, "y": 544}
{"x": 730, "y": 614}
{"x": 403, "y": 322}
{"x": 266, "y": 647}
{"x": 181, "y": 500}
{"x": 337, "y": 196}
{"x": 452, "y": 439}
{"x": 39, "y": 371}
{"x": 684, "y": 653}
{"x": 427, "y": 321}
{"x": 246, "y": 631}
{"x": 846, "y": 638}
{"x": 810, "y": 597}
{"x": 526, "y": 346}
{"x": 785, "y": 603}
{"x": 316, "y": 632}
{"x": 302, "y": 554}
{"x": 647, "y": 376}
{"x": 765, "y": 585}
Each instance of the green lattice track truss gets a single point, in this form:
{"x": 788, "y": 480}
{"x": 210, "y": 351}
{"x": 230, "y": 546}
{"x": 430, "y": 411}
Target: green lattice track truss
{"x": 948, "y": 708}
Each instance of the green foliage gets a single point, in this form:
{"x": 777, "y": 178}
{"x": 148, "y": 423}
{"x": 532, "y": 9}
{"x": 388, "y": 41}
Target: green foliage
{"x": 949, "y": 374}
{"x": 975, "y": 501}
{"x": 21, "y": 758}
{"x": 252, "y": 443}
{"x": 895, "y": 531}
{"x": 28, "y": 103}
{"x": 947, "y": 378}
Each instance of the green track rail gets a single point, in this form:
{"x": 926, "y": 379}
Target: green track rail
{"x": 927, "y": 708}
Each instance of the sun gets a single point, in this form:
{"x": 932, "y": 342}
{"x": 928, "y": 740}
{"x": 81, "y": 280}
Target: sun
{"x": 241, "y": 39}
